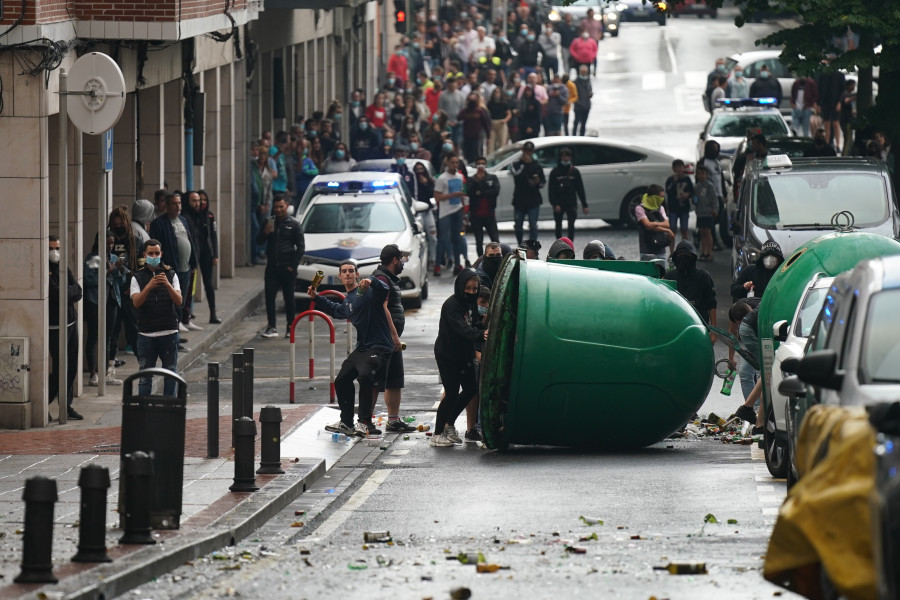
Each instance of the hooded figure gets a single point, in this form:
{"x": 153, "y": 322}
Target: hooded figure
{"x": 695, "y": 284}
{"x": 595, "y": 250}
{"x": 142, "y": 212}
{"x": 560, "y": 249}
{"x": 454, "y": 350}
{"x": 756, "y": 277}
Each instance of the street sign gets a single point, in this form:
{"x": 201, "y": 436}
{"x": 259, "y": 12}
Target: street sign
{"x": 108, "y": 150}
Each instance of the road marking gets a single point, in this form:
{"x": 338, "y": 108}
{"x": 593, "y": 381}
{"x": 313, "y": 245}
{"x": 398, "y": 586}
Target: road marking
{"x": 400, "y": 452}
{"x": 354, "y": 503}
{"x": 770, "y": 499}
{"x": 392, "y": 461}
{"x": 769, "y": 510}
{"x": 765, "y": 488}
{"x": 671, "y": 51}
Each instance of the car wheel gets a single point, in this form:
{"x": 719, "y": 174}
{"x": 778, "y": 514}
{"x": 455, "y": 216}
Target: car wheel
{"x": 615, "y": 33}
{"x": 778, "y": 453}
{"x": 626, "y": 210}
{"x": 413, "y": 302}
{"x": 714, "y": 15}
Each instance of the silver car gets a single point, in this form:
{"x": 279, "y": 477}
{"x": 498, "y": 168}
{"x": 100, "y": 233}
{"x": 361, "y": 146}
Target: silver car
{"x": 615, "y": 174}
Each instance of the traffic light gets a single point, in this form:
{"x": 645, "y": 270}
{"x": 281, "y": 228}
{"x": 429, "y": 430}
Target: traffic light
{"x": 400, "y": 16}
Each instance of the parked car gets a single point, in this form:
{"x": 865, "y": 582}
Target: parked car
{"x": 694, "y": 7}
{"x": 793, "y": 201}
{"x": 603, "y": 10}
{"x": 346, "y": 217}
{"x": 615, "y": 174}
{"x": 642, "y": 10}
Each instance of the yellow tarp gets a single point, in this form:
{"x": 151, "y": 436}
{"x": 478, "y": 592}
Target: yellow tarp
{"x": 825, "y": 521}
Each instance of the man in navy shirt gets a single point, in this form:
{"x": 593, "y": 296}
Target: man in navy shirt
{"x": 365, "y": 306}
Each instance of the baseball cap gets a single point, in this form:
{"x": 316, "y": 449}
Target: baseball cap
{"x": 392, "y": 251}
{"x": 528, "y": 146}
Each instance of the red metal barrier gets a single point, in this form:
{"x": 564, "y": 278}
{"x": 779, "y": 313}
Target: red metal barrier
{"x": 312, "y": 314}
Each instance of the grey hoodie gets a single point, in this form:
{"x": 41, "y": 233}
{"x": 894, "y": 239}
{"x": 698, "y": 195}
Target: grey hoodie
{"x": 142, "y": 212}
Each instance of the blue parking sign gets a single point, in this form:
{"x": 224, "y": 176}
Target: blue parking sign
{"x": 108, "y": 150}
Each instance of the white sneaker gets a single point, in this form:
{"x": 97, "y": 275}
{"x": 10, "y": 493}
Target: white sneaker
{"x": 182, "y": 328}
{"x": 451, "y": 434}
{"x": 194, "y": 327}
{"x": 111, "y": 377}
{"x": 440, "y": 441}
{"x": 94, "y": 381}
{"x": 270, "y": 332}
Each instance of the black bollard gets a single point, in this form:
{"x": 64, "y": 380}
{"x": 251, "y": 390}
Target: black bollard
{"x": 237, "y": 391}
{"x": 136, "y": 521}
{"x": 212, "y": 410}
{"x": 93, "y": 481}
{"x": 248, "y": 383}
{"x": 270, "y": 438}
{"x": 37, "y": 542}
{"x": 245, "y": 438}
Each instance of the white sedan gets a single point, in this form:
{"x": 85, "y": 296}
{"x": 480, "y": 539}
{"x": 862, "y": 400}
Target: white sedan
{"x": 615, "y": 174}
{"x": 345, "y": 221}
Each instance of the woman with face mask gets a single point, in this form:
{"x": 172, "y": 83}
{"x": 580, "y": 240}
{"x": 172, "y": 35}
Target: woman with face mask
{"x": 339, "y": 161}
{"x": 752, "y": 281}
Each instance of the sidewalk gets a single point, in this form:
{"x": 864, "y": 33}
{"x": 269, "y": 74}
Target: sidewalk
{"x": 212, "y": 516}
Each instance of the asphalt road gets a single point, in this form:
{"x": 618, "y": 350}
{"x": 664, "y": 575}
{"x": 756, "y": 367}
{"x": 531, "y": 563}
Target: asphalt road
{"x": 522, "y": 508}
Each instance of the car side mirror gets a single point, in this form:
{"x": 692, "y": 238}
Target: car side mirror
{"x": 420, "y": 207}
{"x": 702, "y": 135}
{"x": 791, "y": 387}
{"x": 818, "y": 368}
{"x": 780, "y": 331}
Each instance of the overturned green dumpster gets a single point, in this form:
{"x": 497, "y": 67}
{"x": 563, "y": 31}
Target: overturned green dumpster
{"x": 593, "y": 354}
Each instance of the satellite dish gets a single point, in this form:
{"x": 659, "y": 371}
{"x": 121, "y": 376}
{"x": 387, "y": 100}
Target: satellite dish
{"x": 97, "y": 93}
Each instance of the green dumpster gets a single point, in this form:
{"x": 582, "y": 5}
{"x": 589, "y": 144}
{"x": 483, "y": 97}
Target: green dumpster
{"x": 594, "y": 354}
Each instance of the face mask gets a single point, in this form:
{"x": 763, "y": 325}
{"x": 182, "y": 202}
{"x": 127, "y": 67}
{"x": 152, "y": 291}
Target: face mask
{"x": 313, "y": 133}
{"x": 738, "y": 74}
{"x": 414, "y": 146}
{"x": 503, "y": 38}
{"x": 523, "y": 32}
{"x": 391, "y": 82}
{"x": 448, "y": 147}
{"x": 530, "y": 37}
{"x": 585, "y": 35}
{"x": 54, "y": 256}
{"x": 152, "y": 261}
{"x": 482, "y": 310}
{"x": 119, "y": 231}
{"x": 472, "y": 103}
{"x": 339, "y": 154}
{"x": 566, "y": 163}
{"x": 401, "y": 161}
{"x": 473, "y": 298}
{"x": 583, "y": 76}
{"x": 363, "y": 126}
{"x": 720, "y": 68}
{"x": 480, "y": 167}
{"x": 389, "y": 142}
{"x": 763, "y": 74}
{"x": 492, "y": 263}
{"x": 770, "y": 262}
{"x": 415, "y": 45}
{"x": 355, "y": 103}
{"x": 338, "y": 116}
{"x": 510, "y": 92}
{"x": 685, "y": 264}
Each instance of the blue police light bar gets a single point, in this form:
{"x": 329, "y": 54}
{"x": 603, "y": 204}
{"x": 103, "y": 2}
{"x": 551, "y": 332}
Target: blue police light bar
{"x": 742, "y": 102}
{"x": 333, "y": 184}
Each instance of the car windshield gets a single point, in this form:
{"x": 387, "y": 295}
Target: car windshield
{"x": 345, "y": 217}
{"x": 880, "y": 357}
{"x": 810, "y": 308}
{"x": 733, "y": 124}
{"x": 808, "y": 200}
{"x": 498, "y": 156}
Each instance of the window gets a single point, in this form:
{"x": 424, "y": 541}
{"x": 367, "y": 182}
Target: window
{"x": 498, "y": 156}
{"x": 547, "y": 157}
{"x": 776, "y": 68}
{"x": 880, "y": 357}
{"x": 346, "y": 217}
{"x": 596, "y": 154}
{"x": 736, "y": 124}
{"x": 808, "y": 311}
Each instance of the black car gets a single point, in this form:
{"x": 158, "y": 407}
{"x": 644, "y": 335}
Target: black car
{"x": 641, "y": 10}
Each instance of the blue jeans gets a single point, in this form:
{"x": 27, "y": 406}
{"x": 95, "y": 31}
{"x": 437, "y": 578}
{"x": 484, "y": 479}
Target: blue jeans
{"x": 449, "y": 239}
{"x": 165, "y": 348}
{"x": 746, "y": 372}
{"x": 519, "y": 217}
{"x": 800, "y": 120}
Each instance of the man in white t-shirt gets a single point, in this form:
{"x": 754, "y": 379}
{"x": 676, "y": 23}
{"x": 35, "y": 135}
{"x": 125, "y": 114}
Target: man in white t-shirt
{"x": 450, "y": 193}
{"x": 483, "y": 47}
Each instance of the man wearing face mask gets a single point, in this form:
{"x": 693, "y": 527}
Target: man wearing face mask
{"x": 594, "y": 250}
{"x": 73, "y": 295}
{"x": 820, "y": 146}
{"x": 490, "y": 264}
{"x": 176, "y": 236}
{"x": 528, "y": 178}
{"x": 766, "y": 86}
{"x": 484, "y": 188}
{"x": 582, "y": 106}
{"x": 566, "y": 188}
{"x": 476, "y": 127}
{"x": 398, "y": 66}
{"x": 528, "y": 48}
{"x": 753, "y": 279}
{"x": 737, "y": 84}
{"x": 695, "y": 284}
{"x": 711, "y": 83}
{"x": 388, "y": 272}
{"x": 363, "y": 141}
{"x": 156, "y": 294}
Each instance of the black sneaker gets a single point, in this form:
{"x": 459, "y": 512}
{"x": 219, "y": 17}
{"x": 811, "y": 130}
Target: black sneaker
{"x": 746, "y": 413}
{"x": 118, "y": 363}
{"x": 74, "y": 415}
{"x": 473, "y": 436}
{"x": 399, "y": 427}
{"x": 270, "y": 332}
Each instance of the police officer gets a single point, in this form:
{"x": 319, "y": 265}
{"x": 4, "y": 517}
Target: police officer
{"x": 392, "y": 262}
{"x": 284, "y": 249}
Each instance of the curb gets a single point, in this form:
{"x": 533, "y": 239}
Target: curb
{"x": 113, "y": 579}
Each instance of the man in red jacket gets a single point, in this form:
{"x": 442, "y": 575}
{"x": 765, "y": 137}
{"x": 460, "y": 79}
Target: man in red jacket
{"x": 399, "y": 66}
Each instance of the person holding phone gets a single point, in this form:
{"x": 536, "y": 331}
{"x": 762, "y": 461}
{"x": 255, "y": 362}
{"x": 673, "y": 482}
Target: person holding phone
{"x": 156, "y": 294}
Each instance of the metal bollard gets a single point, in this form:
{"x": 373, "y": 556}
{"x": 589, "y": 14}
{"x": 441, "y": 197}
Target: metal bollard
{"x": 270, "y": 434}
{"x": 212, "y": 410}
{"x": 248, "y": 383}
{"x": 93, "y": 481}
{"x": 37, "y": 543}
{"x": 245, "y": 436}
{"x": 237, "y": 391}
{"x": 136, "y": 520}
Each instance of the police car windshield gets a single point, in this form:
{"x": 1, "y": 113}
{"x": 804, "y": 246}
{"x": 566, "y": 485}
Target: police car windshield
{"x": 736, "y": 124}
{"x": 345, "y": 217}
{"x": 808, "y": 200}
{"x": 880, "y": 357}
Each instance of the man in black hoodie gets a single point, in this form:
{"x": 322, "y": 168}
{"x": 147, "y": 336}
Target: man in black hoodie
{"x": 756, "y": 277}
{"x": 73, "y": 295}
{"x": 566, "y": 189}
{"x": 695, "y": 284}
{"x": 454, "y": 350}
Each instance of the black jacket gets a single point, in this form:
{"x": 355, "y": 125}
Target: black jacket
{"x": 205, "y": 232}
{"x": 757, "y": 273}
{"x": 395, "y": 303}
{"x": 459, "y": 328}
{"x": 566, "y": 186}
{"x": 695, "y": 284}
{"x": 73, "y": 293}
{"x": 157, "y": 313}
{"x": 485, "y": 190}
{"x": 285, "y": 245}
{"x": 529, "y": 179}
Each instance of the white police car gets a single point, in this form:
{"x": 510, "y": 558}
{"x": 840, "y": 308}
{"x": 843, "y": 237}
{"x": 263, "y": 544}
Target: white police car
{"x": 729, "y": 122}
{"x": 353, "y": 216}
